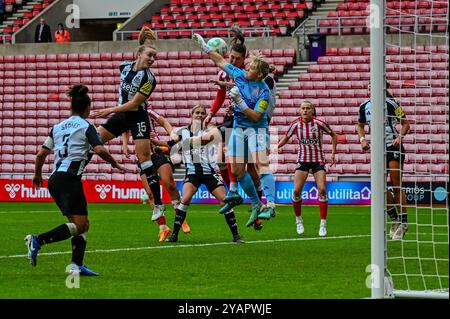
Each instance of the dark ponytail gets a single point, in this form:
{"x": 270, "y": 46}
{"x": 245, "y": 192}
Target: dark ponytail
{"x": 80, "y": 99}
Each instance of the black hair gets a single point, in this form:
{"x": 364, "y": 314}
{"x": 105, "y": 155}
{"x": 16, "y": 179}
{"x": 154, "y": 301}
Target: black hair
{"x": 80, "y": 100}
{"x": 240, "y": 48}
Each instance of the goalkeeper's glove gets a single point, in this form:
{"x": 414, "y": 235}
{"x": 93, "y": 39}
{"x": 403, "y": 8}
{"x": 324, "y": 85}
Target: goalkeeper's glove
{"x": 200, "y": 42}
{"x": 236, "y": 97}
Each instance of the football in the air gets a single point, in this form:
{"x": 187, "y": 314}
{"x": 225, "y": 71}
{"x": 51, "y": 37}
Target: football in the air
{"x": 219, "y": 45}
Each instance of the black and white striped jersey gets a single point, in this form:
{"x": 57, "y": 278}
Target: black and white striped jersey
{"x": 199, "y": 160}
{"x": 142, "y": 81}
{"x": 393, "y": 115}
{"x": 73, "y": 140}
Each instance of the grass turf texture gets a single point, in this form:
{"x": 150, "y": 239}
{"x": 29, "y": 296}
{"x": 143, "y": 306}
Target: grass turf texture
{"x": 123, "y": 248}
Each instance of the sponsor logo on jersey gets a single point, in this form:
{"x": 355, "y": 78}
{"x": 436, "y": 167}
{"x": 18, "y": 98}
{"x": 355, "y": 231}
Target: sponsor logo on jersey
{"x": 308, "y": 141}
{"x": 128, "y": 87}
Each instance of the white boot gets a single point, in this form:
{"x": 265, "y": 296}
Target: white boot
{"x": 323, "y": 228}
{"x": 299, "y": 222}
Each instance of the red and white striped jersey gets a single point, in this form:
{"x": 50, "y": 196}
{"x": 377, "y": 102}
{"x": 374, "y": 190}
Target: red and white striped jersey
{"x": 309, "y": 136}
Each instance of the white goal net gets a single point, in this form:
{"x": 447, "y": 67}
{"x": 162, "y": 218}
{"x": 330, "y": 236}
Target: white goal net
{"x": 417, "y": 73}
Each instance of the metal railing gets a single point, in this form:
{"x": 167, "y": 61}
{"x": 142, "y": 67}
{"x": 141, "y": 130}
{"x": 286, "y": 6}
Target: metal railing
{"x": 3, "y": 39}
{"x": 248, "y": 32}
{"x": 404, "y": 20}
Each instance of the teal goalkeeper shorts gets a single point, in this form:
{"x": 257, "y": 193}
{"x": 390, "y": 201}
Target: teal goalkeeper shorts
{"x": 246, "y": 141}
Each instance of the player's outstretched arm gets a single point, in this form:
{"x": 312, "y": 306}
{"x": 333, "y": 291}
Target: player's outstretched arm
{"x": 206, "y": 138}
{"x": 137, "y": 100}
{"x": 101, "y": 151}
{"x": 168, "y": 128}
{"x": 213, "y": 55}
{"x": 40, "y": 160}
{"x": 283, "y": 141}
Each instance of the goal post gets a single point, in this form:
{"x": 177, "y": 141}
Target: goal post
{"x": 377, "y": 97}
{"x": 409, "y": 49}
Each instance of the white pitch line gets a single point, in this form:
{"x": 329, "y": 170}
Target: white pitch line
{"x": 190, "y": 245}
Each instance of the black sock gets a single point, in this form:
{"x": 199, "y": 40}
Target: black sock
{"x": 153, "y": 182}
{"x": 78, "y": 248}
{"x": 180, "y": 216}
{"x": 392, "y": 214}
{"x": 231, "y": 221}
{"x": 403, "y": 218}
{"x": 62, "y": 232}
{"x": 260, "y": 193}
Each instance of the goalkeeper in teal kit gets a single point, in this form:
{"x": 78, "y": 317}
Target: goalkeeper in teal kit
{"x": 249, "y": 139}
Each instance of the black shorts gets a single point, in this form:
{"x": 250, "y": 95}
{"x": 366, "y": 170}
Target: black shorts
{"x": 313, "y": 166}
{"x": 159, "y": 159}
{"x": 395, "y": 154}
{"x": 211, "y": 181}
{"x": 67, "y": 192}
{"x": 135, "y": 121}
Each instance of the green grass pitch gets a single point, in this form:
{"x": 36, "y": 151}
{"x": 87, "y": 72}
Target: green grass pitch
{"x": 123, "y": 247}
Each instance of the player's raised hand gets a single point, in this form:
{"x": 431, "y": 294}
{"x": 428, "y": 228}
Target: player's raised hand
{"x": 37, "y": 181}
{"x": 207, "y": 120}
{"x": 200, "y": 42}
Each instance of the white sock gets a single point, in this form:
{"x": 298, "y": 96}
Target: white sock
{"x": 162, "y": 227}
{"x": 233, "y": 187}
{"x": 323, "y": 222}
{"x": 298, "y": 219}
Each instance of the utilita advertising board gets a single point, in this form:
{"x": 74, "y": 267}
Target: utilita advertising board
{"x": 339, "y": 193}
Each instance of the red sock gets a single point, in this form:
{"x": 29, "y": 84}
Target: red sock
{"x": 225, "y": 177}
{"x": 297, "y": 208}
{"x": 232, "y": 178}
{"x": 323, "y": 209}
{"x": 161, "y": 220}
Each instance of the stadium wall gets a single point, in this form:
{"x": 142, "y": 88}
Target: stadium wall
{"x": 127, "y": 46}
{"x": 346, "y": 41}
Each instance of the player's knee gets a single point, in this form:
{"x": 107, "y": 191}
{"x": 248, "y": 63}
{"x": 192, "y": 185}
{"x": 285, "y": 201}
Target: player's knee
{"x": 82, "y": 226}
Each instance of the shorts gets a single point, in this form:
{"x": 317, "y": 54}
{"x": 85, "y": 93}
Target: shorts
{"x": 395, "y": 154}
{"x": 244, "y": 142}
{"x": 313, "y": 166}
{"x": 135, "y": 121}
{"x": 159, "y": 159}
{"x": 67, "y": 192}
{"x": 211, "y": 181}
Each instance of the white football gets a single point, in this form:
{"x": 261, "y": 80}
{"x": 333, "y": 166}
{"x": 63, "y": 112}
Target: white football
{"x": 219, "y": 45}
{"x": 144, "y": 198}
